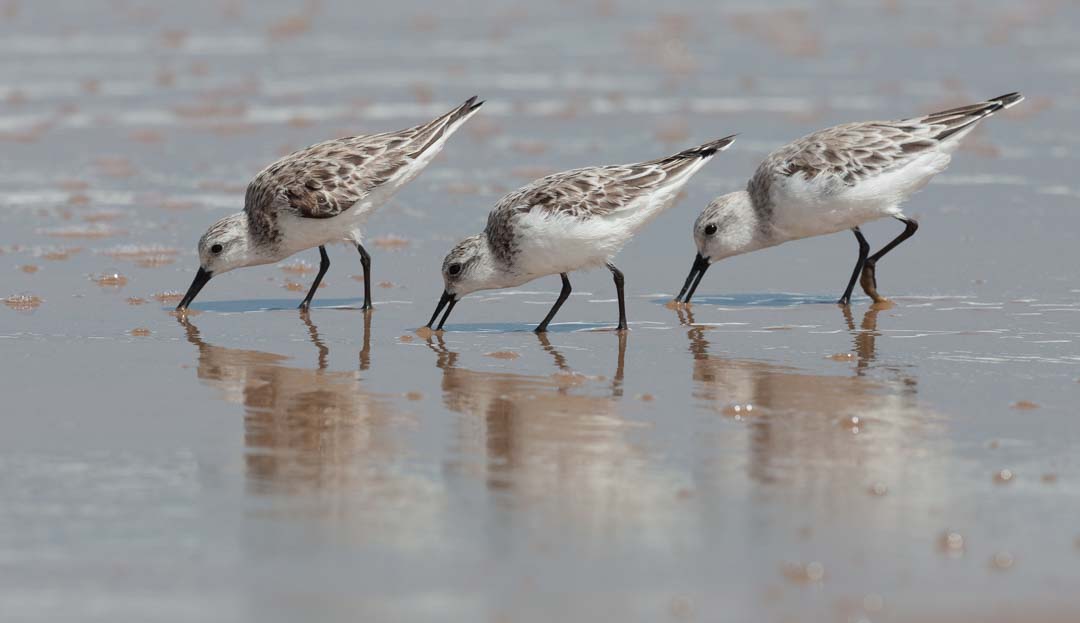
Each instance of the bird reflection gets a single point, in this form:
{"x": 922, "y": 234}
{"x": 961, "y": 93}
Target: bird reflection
{"x": 556, "y": 437}
{"x": 305, "y": 429}
{"x": 801, "y": 426}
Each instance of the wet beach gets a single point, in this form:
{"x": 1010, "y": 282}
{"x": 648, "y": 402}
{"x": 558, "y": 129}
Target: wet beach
{"x": 763, "y": 455}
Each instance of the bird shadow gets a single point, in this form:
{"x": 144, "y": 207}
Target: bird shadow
{"x": 516, "y": 327}
{"x": 263, "y": 305}
{"x": 758, "y": 299}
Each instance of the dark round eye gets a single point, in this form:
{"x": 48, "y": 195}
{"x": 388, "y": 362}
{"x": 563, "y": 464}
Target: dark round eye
{"x": 710, "y": 229}
{"x": 453, "y": 269}
{"x": 216, "y": 249}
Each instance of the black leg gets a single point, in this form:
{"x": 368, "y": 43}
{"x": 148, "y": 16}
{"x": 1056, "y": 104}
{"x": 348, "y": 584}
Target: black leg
{"x": 365, "y": 261}
{"x": 869, "y": 273}
{"x": 324, "y": 265}
{"x": 617, "y": 274}
{"x": 864, "y": 250}
{"x": 563, "y": 295}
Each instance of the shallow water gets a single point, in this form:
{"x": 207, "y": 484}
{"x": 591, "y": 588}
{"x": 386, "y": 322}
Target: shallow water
{"x": 764, "y": 455}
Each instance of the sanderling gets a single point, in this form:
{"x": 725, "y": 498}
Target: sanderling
{"x": 567, "y": 221}
{"x": 832, "y": 180}
{"x": 319, "y": 195}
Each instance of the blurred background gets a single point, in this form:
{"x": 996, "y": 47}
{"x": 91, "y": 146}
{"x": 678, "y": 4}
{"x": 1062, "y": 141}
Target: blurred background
{"x": 766, "y": 458}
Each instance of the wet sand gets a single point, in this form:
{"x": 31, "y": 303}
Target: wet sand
{"x": 763, "y": 455}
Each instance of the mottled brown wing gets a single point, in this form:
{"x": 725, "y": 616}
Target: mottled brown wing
{"x": 851, "y": 152}
{"x": 328, "y": 178}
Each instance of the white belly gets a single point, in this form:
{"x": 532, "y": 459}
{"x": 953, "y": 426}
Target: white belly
{"x": 804, "y": 208}
{"x": 549, "y": 246}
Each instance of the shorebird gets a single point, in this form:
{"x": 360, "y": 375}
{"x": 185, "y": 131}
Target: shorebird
{"x": 319, "y": 195}
{"x": 567, "y": 221}
{"x": 832, "y": 180}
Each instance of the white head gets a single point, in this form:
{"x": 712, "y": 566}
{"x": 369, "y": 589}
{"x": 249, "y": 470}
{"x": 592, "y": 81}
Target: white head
{"x": 728, "y": 226}
{"x": 225, "y": 246}
{"x": 468, "y": 267}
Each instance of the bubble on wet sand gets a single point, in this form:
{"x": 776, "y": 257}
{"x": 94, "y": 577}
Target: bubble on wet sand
{"x": 878, "y": 489}
{"x": 110, "y": 280}
{"x": 23, "y": 302}
{"x": 1002, "y": 561}
{"x": 853, "y": 424}
{"x": 952, "y": 543}
{"x": 1004, "y": 476}
{"x": 842, "y": 356}
{"x": 140, "y": 332}
{"x": 738, "y": 411}
{"x": 810, "y": 572}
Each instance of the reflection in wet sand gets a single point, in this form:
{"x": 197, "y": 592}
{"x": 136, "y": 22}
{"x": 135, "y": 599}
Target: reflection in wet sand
{"x": 318, "y": 433}
{"x": 812, "y": 430}
{"x": 553, "y": 440}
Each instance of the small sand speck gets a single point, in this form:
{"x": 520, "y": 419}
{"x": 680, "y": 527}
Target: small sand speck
{"x": 1024, "y": 405}
{"x": 414, "y": 396}
{"x": 23, "y": 302}
{"x": 646, "y": 398}
{"x": 503, "y": 354}
{"x": 1049, "y": 478}
{"x": 384, "y": 284}
{"x": 405, "y": 338}
{"x": 292, "y": 286}
{"x": 29, "y": 269}
{"x": 1002, "y": 561}
{"x": 951, "y": 543}
{"x": 297, "y": 268}
{"x": 134, "y": 300}
{"x": 803, "y": 574}
{"x": 140, "y": 332}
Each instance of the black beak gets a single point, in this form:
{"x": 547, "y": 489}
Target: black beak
{"x": 200, "y": 280}
{"x": 697, "y": 271}
{"x": 446, "y": 298}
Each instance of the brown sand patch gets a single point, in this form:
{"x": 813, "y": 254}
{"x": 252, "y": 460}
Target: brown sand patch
{"x": 114, "y": 166}
{"x": 391, "y": 241}
{"x": 1024, "y": 405}
{"x": 169, "y": 296}
{"x": 414, "y": 396}
{"x": 503, "y": 354}
{"x": 298, "y": 267}
{"x": 134, "y": 300}
{"x": 425, "y": 333}
{"x": 800, "y": 573}
{"x": 72, "y": 186}
{"x": 405, "y": 338}
{"x": 841, "y": 356}
{"x": 93, "y": 230}
{"x": 23, "y": 302}
{"x": 78, "y": 199}
{"x": 384, "y": 284}
{"x": 292, "y": 286}
{"x": 57, "y": 255}
{"x": 102, "y": 216}
{"x": 111, "y": 280}
{"x": 140, "y": 332}
{"x": 29, "y": 269}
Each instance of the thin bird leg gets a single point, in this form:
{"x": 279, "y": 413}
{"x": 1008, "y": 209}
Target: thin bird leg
{"x": 864, "y": 250}
{"x": 617, "y": 274}
{"x": 324, "y": 265}
{"x": 365, "y": 261}
{"x": 563, "y": 295}
{"x": 869, "y": 276}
